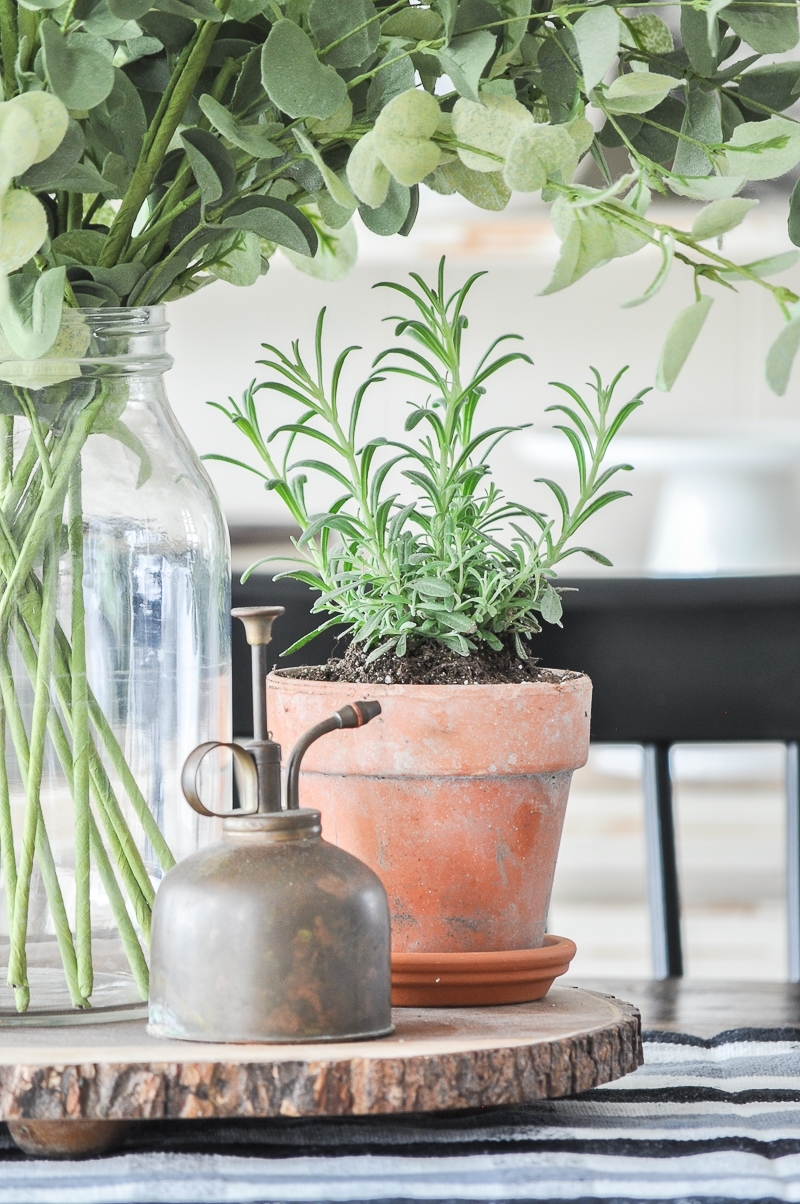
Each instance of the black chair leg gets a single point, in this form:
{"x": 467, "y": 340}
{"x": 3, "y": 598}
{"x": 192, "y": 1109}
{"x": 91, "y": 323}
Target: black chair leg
{"x": 662, "y": 865}
{"x": 793, "y": 858}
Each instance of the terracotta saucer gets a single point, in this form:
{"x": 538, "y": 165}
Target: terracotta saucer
{"x": 438, "y": 980}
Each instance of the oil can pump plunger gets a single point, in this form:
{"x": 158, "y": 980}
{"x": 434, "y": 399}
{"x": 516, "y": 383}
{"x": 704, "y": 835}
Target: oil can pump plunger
{"x": 272, "y": 934}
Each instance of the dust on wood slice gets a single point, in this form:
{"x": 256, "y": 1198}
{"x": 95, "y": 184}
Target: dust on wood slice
{"x": 438, "y": 1059}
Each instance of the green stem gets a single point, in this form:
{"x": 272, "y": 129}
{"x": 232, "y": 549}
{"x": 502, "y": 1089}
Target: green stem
{"x": 80, "y": 741}
{"x": 126, "y": 930}
{"x": 9, "y": 42}
{"x": 181, "y": 87}
{"x": 6, "y": 452}
{"x": 17, "y": 962}
{"x": 58, "y": 911}
{"x": 51, "y": 502}
{"x": 103, "y": 791}
{"x": 21, "y": 477}
{"x": 9, "y": 859}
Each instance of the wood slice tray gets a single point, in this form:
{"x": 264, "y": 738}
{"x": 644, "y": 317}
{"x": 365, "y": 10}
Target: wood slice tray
{"x": 438, "y": 1058}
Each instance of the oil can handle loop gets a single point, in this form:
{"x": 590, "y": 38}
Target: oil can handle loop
{"x": 246, "y": 774}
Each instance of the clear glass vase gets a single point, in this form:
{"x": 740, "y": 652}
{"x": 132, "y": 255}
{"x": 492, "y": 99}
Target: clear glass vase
{"x": 114, "y": 661}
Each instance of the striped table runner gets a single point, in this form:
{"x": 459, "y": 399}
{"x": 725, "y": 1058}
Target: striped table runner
{"x": 710, "y": 1121}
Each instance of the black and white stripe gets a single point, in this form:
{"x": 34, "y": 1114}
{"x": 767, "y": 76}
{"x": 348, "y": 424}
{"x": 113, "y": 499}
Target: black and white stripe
{"x": 709, "y": 1121}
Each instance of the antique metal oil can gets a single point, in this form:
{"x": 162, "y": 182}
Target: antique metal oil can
{"x": 272, "y": 934}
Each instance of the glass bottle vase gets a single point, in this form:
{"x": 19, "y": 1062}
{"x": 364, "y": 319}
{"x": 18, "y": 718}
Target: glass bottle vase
{"x": 114, "y": 661}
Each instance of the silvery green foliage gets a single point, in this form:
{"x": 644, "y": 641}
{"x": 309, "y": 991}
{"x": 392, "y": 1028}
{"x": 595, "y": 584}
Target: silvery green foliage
{"x": 419, "y": 543}
{"x": 201, "y": 136}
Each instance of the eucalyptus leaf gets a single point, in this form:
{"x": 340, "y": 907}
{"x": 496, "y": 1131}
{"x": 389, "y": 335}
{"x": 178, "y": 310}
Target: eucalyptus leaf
{"x": 50, "y": 118}
{"x": 487, "y": 190}
{"x": 90, "y": 294}
{"x": 83, "y": 177}
{"x": 334, "y": 216}
{"x": 30, "y": 314}
{"x": 120, "y": 120}
{"x": 129, "y": 10}
{"x": 19, "y": 142}
{"x": 708, "y": 188}
{"x": 597, "y": 33}
{"x": 701, "y": 124}
{"x": 652, "y": 33}
{"x": 335, "y": 257}
{"x": 240, "y": 262}
{"x": 83, "y": 246}
{"x": 350, "y": 27}
{"x": 340, "y": 120}
{"x": 415, "y": 24}
{"x": 679, "y": 342}
{"x": 78, "y": 73}
{"x": 389, "y": 218}
{"x": 249, "y": 97}
{"x": 44, "y": 175}
{"x": 402, "y": 136}
{"x": 122, "y": 277}
{"x": 781, "y": 355}
{"x": 256, "y": 140}
{"x": 192, "y": 10}
{"x": 464, "y": 60}
{"x": 173, "y": 32}
{"x": 771, "y": 266}
{"x": 774, "y": 87}
{"x": 558, "y": 76}
{"x": 696, "y": 41}
{"x": 106, "y": 24}
{"x": 275, "y": 220}
{"x": 721, "y": 216}
{"x": 536, "y": 153}
{"x": 294, "y": 78}
{"x": 337, "y": 188}
{"x": 393, "y": 76}
{"x": 763, "y": 150}
{"x": 794, "y": 215}
{"x": 488, "y": 127}
{"x": 637, "y": 93}
{"x": 589, "y": 238}
{"x": 157, "y": 283}
{"x": 366, "y": 174}
{"x": 23, "y": 229}
{"x": 211, "y": 164}
{"x": 770, "y": 29}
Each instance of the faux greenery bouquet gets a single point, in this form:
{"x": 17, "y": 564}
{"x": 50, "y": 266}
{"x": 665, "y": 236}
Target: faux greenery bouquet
{"x": 149, "y": 147}
{"x": 174, "y": 142}
{"x": 454, "y": 563}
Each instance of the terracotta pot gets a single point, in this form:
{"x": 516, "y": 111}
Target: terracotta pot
{"x": 455, "y": 796}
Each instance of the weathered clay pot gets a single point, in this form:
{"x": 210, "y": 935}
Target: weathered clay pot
{"x": 456, "y": 799}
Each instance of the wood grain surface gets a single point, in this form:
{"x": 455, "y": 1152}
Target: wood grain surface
{"x": 437, "y": 1059}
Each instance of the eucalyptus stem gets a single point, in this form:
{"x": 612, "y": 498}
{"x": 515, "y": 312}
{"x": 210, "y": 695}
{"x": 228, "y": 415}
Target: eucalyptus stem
{"x": 126, "y": 930}
{"x": 9, "y": 36}
{"x": 8, "y": 857}
{"x": 80, "y": 741}
{"x": 50, "y": 503}
{"x": 182, "y": 85}
{"x": 6, "y": 453}
{"x": 58, "y": 911}
{"x": 17, "y": 962}
{"x": 102, "y": 787}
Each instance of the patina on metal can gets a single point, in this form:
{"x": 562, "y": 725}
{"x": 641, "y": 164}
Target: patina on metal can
{"x": 272, "y": 934}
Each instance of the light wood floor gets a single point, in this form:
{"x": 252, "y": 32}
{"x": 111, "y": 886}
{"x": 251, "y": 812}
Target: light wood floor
{"x": 704, "y": 1008}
